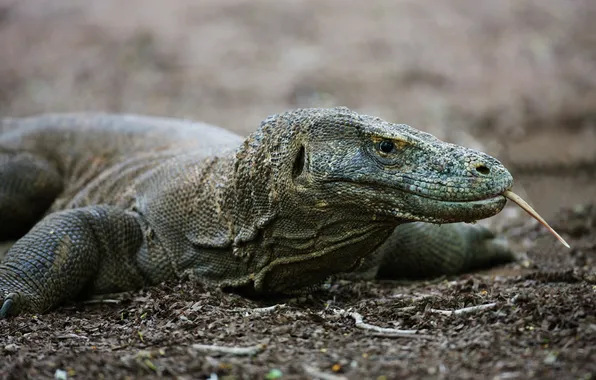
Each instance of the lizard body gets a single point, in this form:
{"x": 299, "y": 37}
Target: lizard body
{"x": 106, "y": 203}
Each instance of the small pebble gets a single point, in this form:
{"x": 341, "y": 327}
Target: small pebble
{"x": 60, "y": 375}
{"x": 11, "y": 347}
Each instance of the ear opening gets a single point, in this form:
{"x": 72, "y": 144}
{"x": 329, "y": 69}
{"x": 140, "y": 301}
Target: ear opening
{"x": 298, "y": 163}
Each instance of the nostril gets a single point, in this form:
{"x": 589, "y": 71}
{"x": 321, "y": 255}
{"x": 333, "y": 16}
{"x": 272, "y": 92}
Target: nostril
{"x": 482, "y": 169}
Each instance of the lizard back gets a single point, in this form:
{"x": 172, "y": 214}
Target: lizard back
{"x": 117, "y": 149}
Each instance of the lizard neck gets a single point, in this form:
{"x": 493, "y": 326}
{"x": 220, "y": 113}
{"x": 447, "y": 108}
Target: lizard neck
{"x": 289, "y": 238}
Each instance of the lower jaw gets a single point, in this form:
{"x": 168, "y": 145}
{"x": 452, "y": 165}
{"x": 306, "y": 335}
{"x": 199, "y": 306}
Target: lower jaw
{"x": 470, "y": 211}
{"x": 453, "y": 212}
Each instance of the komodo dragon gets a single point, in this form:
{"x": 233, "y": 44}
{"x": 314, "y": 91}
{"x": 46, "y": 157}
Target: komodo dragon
{"x": 127, "y": 201}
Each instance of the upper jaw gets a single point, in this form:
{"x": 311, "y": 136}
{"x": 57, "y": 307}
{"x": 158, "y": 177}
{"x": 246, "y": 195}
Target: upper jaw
{"x": 474, "y": 189}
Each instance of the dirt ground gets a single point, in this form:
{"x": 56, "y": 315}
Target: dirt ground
{"x": 515, "y": 78}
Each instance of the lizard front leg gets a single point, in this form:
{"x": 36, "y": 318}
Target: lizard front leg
{"x": 28, "y": 186}
{"x": 70, "y": 253}
{"x": 423, "y": 250}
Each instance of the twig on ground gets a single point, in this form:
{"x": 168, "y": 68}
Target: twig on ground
{"x": 260, "y": 310}
{"x": 113, "y": 298}
{"x": 406, "y": 308}
{"x": 384, "y": 330}
{"x": 318, "y": 374}
{"x": 414, "y": 297}
{"x": 465, "y": 310}
{"x": 69, "y": 336}
{"x": 236, "y": 351}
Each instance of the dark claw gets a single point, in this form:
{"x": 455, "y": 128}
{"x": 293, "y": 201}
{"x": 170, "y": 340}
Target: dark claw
{"x": 6, "y": 307}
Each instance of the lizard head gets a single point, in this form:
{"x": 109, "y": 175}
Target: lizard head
{"x": 318, "y": 189}
{"x": 392, "y": 171}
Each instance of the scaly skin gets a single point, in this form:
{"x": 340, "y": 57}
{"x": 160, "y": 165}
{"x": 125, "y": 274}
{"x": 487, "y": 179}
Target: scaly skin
{"x": 132, "y": 201}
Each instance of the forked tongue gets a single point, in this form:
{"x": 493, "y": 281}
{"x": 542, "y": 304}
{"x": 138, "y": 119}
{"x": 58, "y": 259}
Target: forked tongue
{"x": 523, "y": 204}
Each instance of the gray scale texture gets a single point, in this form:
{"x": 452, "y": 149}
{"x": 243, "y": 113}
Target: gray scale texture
{"x": 103, "y": 203}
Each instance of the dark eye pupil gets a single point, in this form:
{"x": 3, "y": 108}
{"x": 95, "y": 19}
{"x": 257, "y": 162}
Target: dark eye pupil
{"x": 386, "y": 146}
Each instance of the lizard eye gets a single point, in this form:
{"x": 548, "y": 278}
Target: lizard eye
{"x": 386, "y": 146}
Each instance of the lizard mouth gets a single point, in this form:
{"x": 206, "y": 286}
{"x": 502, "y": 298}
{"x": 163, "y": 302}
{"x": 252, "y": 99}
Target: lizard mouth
{"x": 470, "y": 211}
{"x": 430, "y": 210}
{"x": 477, "y": 191}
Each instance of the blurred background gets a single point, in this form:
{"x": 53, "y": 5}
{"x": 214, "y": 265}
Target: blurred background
{"x": 515, "y": 78}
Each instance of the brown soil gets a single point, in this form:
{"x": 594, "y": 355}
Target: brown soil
{"x": 514, "y": 78}
{"x": 543, "y": 326}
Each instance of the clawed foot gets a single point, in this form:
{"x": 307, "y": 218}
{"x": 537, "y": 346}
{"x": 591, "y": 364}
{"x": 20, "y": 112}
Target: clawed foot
{"x": 485, "y": 249}
{"x": 10, "y": 305}
{"x": 421, "y": 250}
